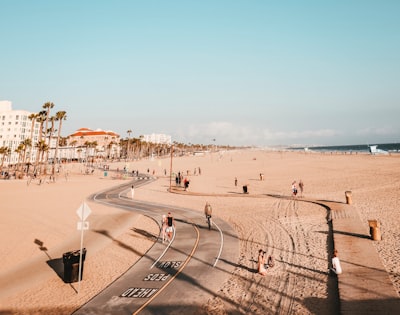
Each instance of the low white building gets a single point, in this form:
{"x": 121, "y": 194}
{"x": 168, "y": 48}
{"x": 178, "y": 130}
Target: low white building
{"x": 158, "y": 138}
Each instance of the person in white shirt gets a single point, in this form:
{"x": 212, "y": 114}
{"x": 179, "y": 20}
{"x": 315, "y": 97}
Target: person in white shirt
{"x": 336, "y": 267}
{"x": 164, "y": 227}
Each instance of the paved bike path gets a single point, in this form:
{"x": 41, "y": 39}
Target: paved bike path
{"x": 364, "y": 286}
{"x": 171, "y": 278}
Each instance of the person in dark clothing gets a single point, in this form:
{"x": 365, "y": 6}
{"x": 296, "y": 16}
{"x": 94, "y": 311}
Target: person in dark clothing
{"x": 170, "y": 226}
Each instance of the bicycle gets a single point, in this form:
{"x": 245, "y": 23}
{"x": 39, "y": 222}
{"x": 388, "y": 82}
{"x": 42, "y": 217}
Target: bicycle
{"x": 208, "y": 212}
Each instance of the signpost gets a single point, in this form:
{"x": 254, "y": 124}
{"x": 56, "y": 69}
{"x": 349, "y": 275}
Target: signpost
{"x": 170, "y": 170}
{"x": 83, "y": 213}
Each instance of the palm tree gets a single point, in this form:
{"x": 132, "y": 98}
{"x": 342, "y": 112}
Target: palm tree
{"x": 124, "y": 148}
{"x": 40, "y": 118}
{"x": 32, "y": 117}
{"x": 47, "y": 106}
{"x": 60, "y": 116}
{"x": 73, "y": 144}
{"x": 19, "y": 150}
{"x": 50, "y": 132}
{"x": 27, "y": 144}
{"x": 42, "y": 149}
{"x": 109, "y": 148}
{"x": 89, "y": 145}
{"x": 127, "y": 147}
{"x": 4, "y": 151}
{"x": 79, "y": 154}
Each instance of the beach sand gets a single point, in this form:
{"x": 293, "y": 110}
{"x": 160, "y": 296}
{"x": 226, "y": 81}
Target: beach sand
{"x": 38, "y": 224}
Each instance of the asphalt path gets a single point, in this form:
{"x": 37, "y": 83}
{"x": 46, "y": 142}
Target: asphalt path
{"x": 176, "y": 277}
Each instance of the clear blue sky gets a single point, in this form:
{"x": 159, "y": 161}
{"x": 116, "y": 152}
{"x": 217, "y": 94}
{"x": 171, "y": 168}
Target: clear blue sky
{"x": 241, "y": 72}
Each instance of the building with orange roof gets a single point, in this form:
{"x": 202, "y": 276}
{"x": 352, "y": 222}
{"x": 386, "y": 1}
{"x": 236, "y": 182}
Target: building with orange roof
{"x": 94, "y": 143}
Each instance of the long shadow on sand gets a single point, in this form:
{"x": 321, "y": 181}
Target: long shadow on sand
{"x": 58, "y": 266}
{"x": 55, "y": 264}
{"x": 349, "y": 234}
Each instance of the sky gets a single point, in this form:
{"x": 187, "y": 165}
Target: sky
{"x": 242, "y": 72}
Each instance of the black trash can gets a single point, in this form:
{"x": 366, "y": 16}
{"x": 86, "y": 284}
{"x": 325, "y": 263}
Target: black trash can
{"x": 71, "y": 265}
{"x": 245, "y": 189}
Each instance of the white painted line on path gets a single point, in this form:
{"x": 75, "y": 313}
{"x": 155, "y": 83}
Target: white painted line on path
{"x": 221, "y": 246}
{"x": 120, "y": 196}
{"x": 165, "y": 250}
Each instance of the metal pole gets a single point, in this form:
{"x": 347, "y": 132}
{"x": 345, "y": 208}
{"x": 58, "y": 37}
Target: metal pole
{"x": 80, "y": 255}
{"x": 170, "y": 170}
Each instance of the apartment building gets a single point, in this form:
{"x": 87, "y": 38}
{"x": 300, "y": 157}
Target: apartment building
{"x": 15, "y": 127}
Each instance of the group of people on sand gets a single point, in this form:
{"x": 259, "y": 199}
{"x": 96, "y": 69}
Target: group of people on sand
{"x": 167, "y": 227}
{"x": 263, "y": 263}
{"x": 295, "y": 191}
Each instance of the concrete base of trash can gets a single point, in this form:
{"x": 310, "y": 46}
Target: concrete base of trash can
{"x": 71, "y": 273}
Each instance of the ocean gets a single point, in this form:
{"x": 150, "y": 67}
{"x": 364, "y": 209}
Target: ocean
{"x": 389, "y": 147}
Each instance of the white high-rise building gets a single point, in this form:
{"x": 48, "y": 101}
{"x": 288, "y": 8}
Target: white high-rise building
{"x": 15, "y": 127}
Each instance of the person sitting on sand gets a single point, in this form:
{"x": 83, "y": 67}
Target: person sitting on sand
{"x": 336, "y": 267}
{"x": 261, "y": 263}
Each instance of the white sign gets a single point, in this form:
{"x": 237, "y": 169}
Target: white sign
{"x": 83, "y": 225}
{"x": 83, "y": 211}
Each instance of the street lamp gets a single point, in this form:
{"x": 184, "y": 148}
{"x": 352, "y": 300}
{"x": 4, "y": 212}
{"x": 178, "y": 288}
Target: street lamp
{"x": 170, "y": 169}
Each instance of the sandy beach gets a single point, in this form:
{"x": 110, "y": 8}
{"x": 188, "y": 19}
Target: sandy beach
{"x": 38, "y": 223}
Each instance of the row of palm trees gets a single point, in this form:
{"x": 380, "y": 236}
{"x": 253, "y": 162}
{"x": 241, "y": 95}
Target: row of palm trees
{"x": 130, "y": 148}
{"x": 136, "y": 148}
{"x": 42, "y": 145}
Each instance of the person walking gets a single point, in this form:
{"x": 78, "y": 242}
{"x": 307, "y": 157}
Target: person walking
{"x": 294, "y": 189}
{"x": 208, "y": 214}
{"x": 186, "y": 183}
{"x": 170, "y": 226}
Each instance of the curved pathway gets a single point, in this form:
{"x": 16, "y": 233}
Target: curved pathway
{"x": 174, "y": 278}
{"x": 181, "y": 277}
